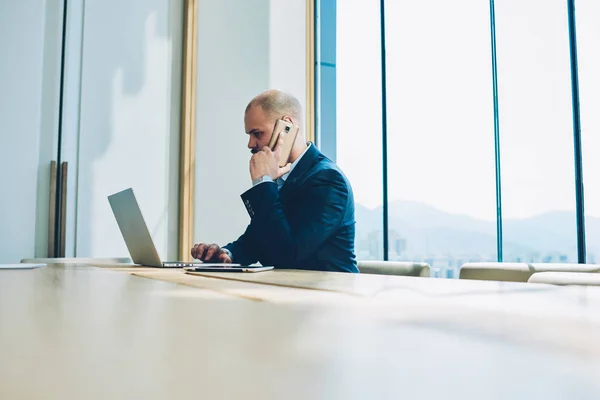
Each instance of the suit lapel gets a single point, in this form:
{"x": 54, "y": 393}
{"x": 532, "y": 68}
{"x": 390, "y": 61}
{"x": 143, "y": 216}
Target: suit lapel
{"x": 304, "y": 165}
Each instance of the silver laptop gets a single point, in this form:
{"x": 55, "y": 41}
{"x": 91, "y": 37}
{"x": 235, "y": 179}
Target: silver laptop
{"x": 139, "y": 242}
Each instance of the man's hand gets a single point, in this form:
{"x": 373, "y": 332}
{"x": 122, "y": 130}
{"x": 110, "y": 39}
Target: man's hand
{"x": 210, "y": 253}
{"x": 266, "y": 162}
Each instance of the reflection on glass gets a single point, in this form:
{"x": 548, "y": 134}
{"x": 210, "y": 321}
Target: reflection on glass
{"x": 440, "y": 133}
{"x": 358, "y": 146}
{"x": 538, "y": 195}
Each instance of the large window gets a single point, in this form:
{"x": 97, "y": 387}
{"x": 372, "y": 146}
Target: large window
{"x": 441, "y": 173}
{"x": 358, "y": 98}
{"x": 459, "y": 157}
{"x": 536, "y": 131}
{"x": 588, "y": 37}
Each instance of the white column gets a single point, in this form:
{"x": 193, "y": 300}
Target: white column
{"x": 30, "y": 54}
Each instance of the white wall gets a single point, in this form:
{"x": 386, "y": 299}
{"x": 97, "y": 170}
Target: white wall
{"x": 29, "y": 50}
{"x": 125, "y": 130}
{"x": 244, "y": 47}
{"x": 287, "y": 47}
{"x": 129, "y": 121}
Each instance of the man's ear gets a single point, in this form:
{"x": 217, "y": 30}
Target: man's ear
{"x": 287, "y": 118}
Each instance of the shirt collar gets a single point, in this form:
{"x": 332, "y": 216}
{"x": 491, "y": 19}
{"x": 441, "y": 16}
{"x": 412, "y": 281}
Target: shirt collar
{"x": 284, "y": 177}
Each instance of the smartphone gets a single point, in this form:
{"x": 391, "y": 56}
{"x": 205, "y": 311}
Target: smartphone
{"x": 291, "y": 132}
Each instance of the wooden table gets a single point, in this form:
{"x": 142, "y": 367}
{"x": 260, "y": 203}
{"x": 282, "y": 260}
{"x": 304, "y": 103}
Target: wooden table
{"x": 73, "y": 332}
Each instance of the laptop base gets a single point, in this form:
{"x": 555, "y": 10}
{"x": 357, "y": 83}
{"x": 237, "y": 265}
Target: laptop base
{"x": 184, "y": 264}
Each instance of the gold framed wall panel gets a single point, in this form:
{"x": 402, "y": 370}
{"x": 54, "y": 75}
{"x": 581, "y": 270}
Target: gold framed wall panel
{"x": 188, "y": 115}
{"x": 188, "y": 130}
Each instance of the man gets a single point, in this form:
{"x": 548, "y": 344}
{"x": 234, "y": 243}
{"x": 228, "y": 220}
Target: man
{"x": 302, "y": 215}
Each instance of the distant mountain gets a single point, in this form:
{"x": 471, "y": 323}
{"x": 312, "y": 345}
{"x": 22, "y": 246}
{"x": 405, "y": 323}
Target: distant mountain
{"x": 429, "y": 231}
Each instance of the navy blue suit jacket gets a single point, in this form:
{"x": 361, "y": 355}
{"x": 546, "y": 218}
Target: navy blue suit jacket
{"x": 307, "y": 224}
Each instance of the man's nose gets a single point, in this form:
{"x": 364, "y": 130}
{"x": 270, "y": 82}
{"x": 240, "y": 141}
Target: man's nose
{"x": 250, "y": 143}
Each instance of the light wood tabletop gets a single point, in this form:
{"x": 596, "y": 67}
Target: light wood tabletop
{"x": 72, "y": 332}
{"x": 521, "y": 298}
{"x": 569, "y": 315}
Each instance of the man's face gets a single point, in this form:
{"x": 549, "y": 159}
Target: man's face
{"x": 259, "y": 127}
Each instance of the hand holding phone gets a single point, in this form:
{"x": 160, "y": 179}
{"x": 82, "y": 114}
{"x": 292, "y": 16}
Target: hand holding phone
{"x": 275, "y": 162}
{"x": 290, "y": 134}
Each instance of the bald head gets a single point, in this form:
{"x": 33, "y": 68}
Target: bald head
{"x": 261, "y": 114}
{"x": 276, "y": 103}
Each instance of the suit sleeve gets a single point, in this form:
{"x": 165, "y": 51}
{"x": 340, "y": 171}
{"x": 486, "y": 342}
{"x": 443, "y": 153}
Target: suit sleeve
{"x": 325, "y": 200}
{"x": 242, "y": 250}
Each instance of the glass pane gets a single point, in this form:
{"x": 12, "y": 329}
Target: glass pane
{"x": 441, "y": 133}
{"x": 588, "y": 38}
{"x": 538, "y": 195}
{"x": 358, "y": 97}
